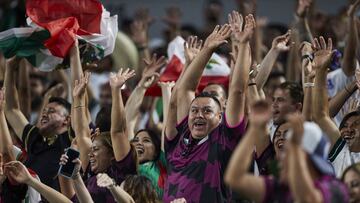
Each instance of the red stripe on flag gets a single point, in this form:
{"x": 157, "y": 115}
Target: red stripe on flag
{"x": 64, "y": 19}
{"x": 172, "y": 73}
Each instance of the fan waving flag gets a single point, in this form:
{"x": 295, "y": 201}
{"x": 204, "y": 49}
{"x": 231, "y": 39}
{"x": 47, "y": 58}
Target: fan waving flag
{"x": 60, "y": 23}
{"x": 216, "y": 70}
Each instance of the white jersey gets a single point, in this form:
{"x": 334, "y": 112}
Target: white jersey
{"x": 341, "y": 157}
{"x": 337, "y": 81}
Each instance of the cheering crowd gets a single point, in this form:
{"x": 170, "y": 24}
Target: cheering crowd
{"x": 284, "y": 130}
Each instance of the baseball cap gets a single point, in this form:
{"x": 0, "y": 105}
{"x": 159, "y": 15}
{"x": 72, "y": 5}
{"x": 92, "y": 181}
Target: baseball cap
{"x": 317, "y": 145}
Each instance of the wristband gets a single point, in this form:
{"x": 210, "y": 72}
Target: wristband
{"x": 253, "y": 83}
{"x": 80, "y": 106}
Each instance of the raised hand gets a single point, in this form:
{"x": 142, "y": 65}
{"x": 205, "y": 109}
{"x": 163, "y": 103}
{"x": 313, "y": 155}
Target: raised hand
{"x": 260, "y": 114}
{"x": 241, "y": 34}
{"x": 139, "y": 33}
{"x": 2, "y": 99}
{"x": 218, "y": 36}
{"x": 18, "y": 172}
{"x": 323, "y": 53}
{"x": 296, "y": 121}
{"x": 307, "y": 50}
{"x": 80, "y": 86}
{"x": 143, "y": 14}
{"x": 191, "y": 48}
{"x": 117, "y": 80}
{"x": 173, "y": 17}
{"x": 281, "y": 43}
{"x": 103, "y": 180}
{"x": 150, "y": 74}
{"x": 236, "y": 22}
{"x": 352, "y": 9}
{"x": 302, "y": 6}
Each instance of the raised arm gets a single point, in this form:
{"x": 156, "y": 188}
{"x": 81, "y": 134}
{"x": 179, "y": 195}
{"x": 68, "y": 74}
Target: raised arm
{"x": 338, "y": 101}
{"x": 308, "y": 77}
{"x": 191, "y": 78}
{"x": 81, "y": 191}
{"x": 18, "y": 172}
{"x": 119, "y": 130}
{"x": 236, "y": 175}
{"x": 235, "y": 108}
{"x": 24, "y": 88}
{"x": 139, "y": 35}
{"x": 148, "y": 78}
{"x": 279, "y": 44}
{"x": 80, "y": 123}
{"x": 77, "y": 72}
{"x": 300, "y": 181}
{"x": 13, "y": 113}
{"x": 320, "y": 104}
{"x": 191, "y": 49}
{"x": 166, "y": 96}
{"x": 301, "y": 20}
{"x": 352, "y": 42}
{"x": 6, "y": 145}
{"x": 103, "y": 180}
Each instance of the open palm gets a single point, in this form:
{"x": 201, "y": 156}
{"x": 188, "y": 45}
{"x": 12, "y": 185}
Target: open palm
{"x": 280, "y": 43}
{"x": 218, "y": 36}
{"x": 118, "y": 80}
{"x": 240, "y": 33}
{"x": 191, "y": 48}
{"x": 323, "y": 53}
{"x": 80, "y": 85}
{"x": 150, "y": 74}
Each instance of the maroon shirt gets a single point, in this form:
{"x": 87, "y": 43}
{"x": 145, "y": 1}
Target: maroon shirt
{"x": 196, "y": 169}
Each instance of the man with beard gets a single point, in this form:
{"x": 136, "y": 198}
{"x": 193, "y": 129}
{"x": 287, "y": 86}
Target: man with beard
{"x": 46, "y": 142}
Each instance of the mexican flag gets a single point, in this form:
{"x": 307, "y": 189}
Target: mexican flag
{"x": 53, "y": 27}
{"x": 216, "y": 70}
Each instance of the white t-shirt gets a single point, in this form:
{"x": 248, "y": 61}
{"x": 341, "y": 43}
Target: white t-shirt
{"x": 337, "y": 81}
{"x": 341, "y": 157}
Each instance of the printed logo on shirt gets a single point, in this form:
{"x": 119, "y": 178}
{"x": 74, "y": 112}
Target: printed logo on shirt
{"x": 330, "y": 84}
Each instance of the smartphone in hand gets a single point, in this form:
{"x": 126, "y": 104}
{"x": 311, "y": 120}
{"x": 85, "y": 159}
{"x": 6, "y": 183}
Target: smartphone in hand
{"x": 67, "y": 170}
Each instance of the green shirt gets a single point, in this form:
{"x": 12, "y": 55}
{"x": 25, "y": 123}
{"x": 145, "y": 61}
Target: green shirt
{"x": 156, "y": 172}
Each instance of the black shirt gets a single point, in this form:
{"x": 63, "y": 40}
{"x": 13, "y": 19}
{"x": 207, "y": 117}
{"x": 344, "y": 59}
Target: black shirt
{"x": 44, "y": 154}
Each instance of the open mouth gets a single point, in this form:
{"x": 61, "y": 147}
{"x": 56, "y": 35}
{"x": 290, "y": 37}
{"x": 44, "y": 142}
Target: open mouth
{"x": 276, "y": 113}
{"x": 139, "y": 149}
{"x": 92, "y": 162}
{"x": 44, "y": 120}
{"x": 280, "y": 145}
{"x": 199, "y": 124}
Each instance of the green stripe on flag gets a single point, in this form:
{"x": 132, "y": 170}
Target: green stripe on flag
{"x": 159, "y": 107}
{"x": 22, "y": 44}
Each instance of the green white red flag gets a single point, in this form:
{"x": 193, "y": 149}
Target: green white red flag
{"x": 54, "y": 26}
{"x": 216, "y": 70}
